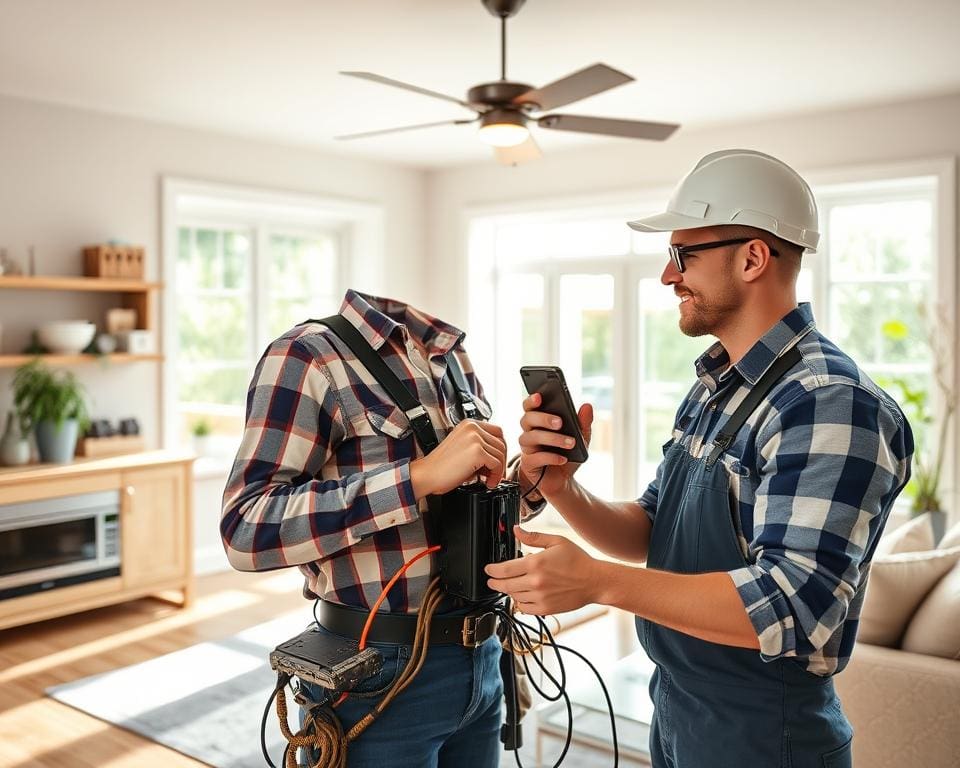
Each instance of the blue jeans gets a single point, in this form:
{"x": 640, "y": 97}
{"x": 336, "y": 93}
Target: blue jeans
{"x": 448, "y": 717}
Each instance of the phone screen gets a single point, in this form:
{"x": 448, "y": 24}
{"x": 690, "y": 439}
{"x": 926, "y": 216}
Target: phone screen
{"x": 548, "y": 380}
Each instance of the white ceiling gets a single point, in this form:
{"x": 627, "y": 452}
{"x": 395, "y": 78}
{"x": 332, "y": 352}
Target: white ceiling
{"x": 268, "y": 69}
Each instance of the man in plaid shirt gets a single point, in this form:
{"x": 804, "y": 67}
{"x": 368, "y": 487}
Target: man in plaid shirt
{"x": 330, "y": 479}
{"x": 759, "y": 528}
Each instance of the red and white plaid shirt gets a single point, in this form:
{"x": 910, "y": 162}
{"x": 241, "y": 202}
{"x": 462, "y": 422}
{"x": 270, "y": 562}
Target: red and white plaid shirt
{"x": 322, "y": 476}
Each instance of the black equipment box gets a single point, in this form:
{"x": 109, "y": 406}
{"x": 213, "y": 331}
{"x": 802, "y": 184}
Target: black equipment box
{"x": 476, "y": 528}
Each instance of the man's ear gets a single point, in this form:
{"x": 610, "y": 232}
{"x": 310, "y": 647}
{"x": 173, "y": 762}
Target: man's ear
{"x": 755, "y": 259}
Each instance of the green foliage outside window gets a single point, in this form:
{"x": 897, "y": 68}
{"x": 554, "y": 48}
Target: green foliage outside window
{"x": 214, "y": 279}
{"x": 930, "y": 438}
{"x": 597, "y": 342}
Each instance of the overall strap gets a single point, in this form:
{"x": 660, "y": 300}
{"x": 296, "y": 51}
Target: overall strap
{"x": 468, "y": 409}
{"x": 753, "y": 399}
{"x": 419, "y": 419}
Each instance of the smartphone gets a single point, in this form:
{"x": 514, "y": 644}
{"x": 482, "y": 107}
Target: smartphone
{"x": 555, "y": 398}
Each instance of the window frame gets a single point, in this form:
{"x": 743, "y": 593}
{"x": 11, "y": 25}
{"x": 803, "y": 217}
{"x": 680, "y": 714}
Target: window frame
{"x": 891, "y": 181}
{"x": 260, "y": 285}
{"x": 358, "y": 228}
{"x": 831, "y": 186}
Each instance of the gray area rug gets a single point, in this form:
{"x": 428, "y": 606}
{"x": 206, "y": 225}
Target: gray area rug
{"x": 206, "y": 702}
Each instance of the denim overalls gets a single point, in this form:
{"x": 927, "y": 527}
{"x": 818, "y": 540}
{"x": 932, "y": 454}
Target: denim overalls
{"x": 717, "y": 706}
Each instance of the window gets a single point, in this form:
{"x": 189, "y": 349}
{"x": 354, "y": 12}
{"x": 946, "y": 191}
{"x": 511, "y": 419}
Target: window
{"x": 234, "y": 298}
{"x": 880, "y": 270}
{"x": 578, "y": 288}
{"x": 559, "y": 288}
{"x": 246, "y": 267}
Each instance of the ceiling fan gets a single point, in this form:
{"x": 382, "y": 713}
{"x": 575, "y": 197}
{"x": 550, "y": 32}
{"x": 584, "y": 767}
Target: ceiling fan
{"x": 504, "y": 108}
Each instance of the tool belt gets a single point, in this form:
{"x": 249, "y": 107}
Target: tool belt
{"x": 468, "y": 630}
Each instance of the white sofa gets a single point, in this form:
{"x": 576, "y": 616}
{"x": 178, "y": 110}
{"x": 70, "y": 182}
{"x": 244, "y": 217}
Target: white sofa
{"x": 901, "y": 689}
{"x": 904, "y": 708}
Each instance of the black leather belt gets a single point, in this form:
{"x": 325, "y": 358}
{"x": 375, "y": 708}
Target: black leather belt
{"x": 399, "y": 628}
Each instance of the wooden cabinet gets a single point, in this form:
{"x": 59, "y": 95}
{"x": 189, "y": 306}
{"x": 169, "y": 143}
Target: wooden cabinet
{"x": 156, "y": 527}
{"x": 153, "y": 528}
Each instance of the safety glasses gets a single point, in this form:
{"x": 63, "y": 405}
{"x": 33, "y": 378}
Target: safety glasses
{"x": 677, "y": 252}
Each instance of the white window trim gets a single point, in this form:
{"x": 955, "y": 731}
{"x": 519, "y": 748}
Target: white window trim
{"x": 480, "y": 267}
{"x": 836, "y": 181}
{"x": 360, "y": 227}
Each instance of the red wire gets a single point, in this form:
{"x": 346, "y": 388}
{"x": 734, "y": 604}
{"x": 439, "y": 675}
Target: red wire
{"x": 383, "y": 596}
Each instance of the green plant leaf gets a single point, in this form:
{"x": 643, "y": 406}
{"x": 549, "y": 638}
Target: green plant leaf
{"x": 40, "y": 394}
{"x": 895, "y": 329}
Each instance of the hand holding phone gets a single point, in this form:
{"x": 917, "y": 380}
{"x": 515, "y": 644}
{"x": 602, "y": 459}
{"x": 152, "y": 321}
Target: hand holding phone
{"x": 549, "y": 383}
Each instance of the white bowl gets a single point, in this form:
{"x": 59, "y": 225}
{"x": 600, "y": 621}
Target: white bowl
{"x": 66, "y": 337}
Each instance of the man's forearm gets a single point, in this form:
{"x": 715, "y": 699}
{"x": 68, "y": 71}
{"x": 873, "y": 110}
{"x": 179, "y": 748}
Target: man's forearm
{"x": 705, "y": 605}
{"x": 619, "y": 529}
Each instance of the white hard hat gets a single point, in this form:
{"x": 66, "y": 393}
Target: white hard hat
{"x": 742, "y": 187}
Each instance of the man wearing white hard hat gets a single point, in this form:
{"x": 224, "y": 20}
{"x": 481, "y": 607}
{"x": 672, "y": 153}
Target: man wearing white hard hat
{"x": 776, "y": 482}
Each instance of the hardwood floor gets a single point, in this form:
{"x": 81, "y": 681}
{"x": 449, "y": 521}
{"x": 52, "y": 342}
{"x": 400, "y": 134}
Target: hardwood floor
{"x": 38, "y": 732}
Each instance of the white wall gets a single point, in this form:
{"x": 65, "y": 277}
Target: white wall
{"x": 70, "y": 177}
{"x": 874, "y": 135}
{"x": 910, "y": 130}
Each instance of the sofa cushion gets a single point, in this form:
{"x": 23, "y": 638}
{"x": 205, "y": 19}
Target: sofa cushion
{"x": 951, "y": 538}
{"x": 915, "y": 535}
{"x": 898, "y": 584}
{"x": 935, "y": 627}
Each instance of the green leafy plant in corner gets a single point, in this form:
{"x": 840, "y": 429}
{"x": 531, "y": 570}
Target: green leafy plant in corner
{"x": 200, "y": 428}
{"x": 40, "y": 394}
{"x": 929, "y": 453}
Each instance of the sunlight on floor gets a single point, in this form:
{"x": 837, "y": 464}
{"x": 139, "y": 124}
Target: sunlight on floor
{"x": 205, "y": 607}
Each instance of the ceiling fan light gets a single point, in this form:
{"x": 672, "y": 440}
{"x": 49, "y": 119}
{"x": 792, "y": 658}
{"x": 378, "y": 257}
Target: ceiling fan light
{"x": 503, "y": 134}
{"x": 503, "y": 128}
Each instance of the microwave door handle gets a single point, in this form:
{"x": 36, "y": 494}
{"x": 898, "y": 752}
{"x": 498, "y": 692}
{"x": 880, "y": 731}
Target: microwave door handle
{"x": 35, "y": 519}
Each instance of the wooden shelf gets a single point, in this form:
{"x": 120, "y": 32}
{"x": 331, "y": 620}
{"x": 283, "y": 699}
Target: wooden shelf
{"x": 13, "y": 361}
{"x": 101, "y": 284}
{"x": 84, "y": 465}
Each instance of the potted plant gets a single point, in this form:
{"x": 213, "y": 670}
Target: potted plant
{"x": 201, "y": 436}
{"x": 930, "y": 449}
{"x": 53, "y": 405}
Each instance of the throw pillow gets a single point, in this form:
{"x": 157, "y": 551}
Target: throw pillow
{"x": 916, "y": 535}
{"x": 935, "y": 627}
{"x": 897, "y": 586}
{"x": 951, "y": 538}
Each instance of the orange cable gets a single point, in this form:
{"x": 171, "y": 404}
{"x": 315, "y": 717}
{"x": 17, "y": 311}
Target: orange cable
{"x": 379, "y": 602}
{"x": 383, "y": 594}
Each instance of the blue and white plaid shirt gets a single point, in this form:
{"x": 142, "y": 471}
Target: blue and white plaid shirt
{"x": 814, "y": 473}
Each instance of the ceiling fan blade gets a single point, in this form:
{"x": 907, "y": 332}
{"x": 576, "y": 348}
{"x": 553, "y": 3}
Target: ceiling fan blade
{"x": 630, "y": 129}
{"x": 406, "y": 86}
{"x": 521, "y": 153}
{"x": 579, "y": 85}
{"x": 364, "y": 134}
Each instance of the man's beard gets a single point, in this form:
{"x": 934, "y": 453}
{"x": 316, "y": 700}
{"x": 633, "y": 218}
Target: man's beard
{"x": 708, "y": 316}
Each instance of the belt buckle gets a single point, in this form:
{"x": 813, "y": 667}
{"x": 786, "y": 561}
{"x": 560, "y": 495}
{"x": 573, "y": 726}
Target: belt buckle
{"x": 301, "y": 698}
{"x": 478, "y": 628}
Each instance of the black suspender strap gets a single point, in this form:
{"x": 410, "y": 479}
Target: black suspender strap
{"x": 419, "y": 419}
{"x": 468, "y": 409}
{"x": 753, "y": 399}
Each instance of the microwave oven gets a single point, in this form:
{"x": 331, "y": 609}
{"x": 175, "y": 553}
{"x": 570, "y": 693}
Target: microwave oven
{"x": 57, "y": 542}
